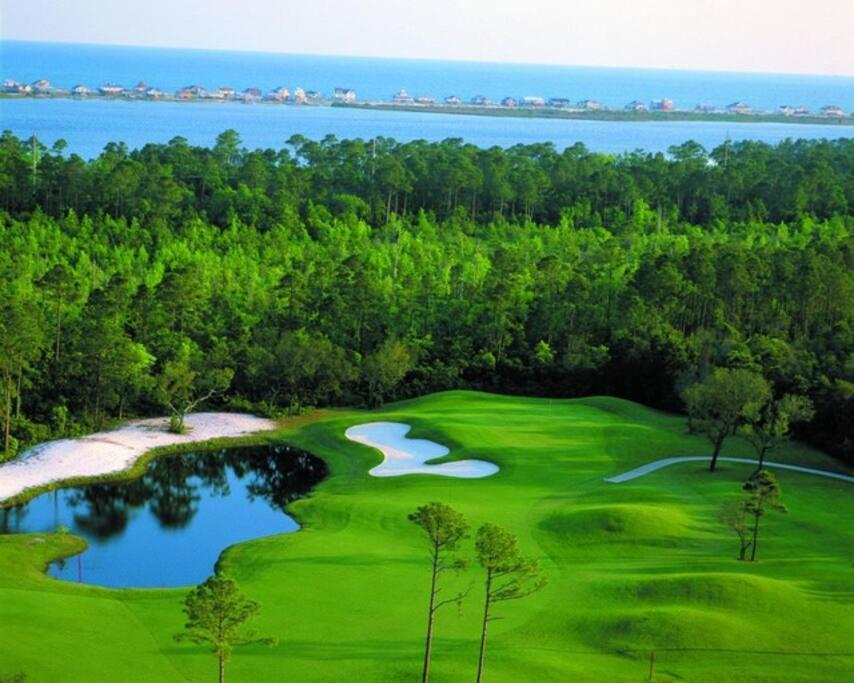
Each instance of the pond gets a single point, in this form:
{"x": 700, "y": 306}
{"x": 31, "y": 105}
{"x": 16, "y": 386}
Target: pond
{"x": 168, "y": 527}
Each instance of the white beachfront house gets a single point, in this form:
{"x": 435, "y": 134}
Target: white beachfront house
{"x": 533, "y": 101}
{"x": 111, "y": 89}
{"x": 344, "y": 95}
{"x": 739, "y": 108}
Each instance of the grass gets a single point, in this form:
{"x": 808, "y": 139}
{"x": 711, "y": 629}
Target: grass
{"x": 633, "y": 567}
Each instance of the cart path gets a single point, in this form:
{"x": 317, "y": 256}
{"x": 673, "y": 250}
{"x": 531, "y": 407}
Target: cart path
{"x": 666, "y": 462}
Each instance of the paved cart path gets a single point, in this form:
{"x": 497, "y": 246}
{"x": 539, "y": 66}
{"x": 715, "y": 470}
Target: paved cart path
{"x": 666, "y": 462}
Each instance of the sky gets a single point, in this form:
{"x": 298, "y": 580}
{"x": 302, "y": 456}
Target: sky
{"x": 782, "y": 36}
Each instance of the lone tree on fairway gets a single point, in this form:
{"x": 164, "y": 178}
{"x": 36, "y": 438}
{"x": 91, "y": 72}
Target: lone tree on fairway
{"x": 769, "y": 425}
{"x": 736, "y": 515}
{"x": 724, "y": 400}
{"x": 764, "y": 494}
{"x": 509, "y": 576}
{"x": 216, "y": 611}
{"x": 444, "y": 528}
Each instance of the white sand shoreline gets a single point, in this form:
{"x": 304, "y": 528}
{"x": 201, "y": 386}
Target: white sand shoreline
{"x": 403, "y": 455}
{"x": 114, "y": 451}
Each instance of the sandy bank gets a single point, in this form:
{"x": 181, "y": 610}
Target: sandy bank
{"x": 116, "y": 450}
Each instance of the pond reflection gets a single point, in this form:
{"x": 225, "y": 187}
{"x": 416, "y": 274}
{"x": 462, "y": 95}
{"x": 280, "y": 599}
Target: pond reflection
{"x": 168, "y": 527}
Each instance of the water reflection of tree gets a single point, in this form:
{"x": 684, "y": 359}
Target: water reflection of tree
{"x": 106, "y": 514}
{"x": 11, "y": 518}
{"x": 174, "y": 495}
{"x": 279, "y": 474}
{"x": 171, "y": 486}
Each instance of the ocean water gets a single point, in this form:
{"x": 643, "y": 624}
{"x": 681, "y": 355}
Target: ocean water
{"x": 88, "y": 125}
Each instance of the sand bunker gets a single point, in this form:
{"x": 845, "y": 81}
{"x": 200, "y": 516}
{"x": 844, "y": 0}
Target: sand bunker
{"x": 409, "y": 456}
{"x": 116, "y": 450}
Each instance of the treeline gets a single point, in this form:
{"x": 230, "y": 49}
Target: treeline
{"x": 739, "y": 182}
{"x": 360, "y": 271}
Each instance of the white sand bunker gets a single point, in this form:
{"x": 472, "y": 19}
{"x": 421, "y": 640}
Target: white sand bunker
{"x": 117, "y": 450}
{"x": 409, "y": 456}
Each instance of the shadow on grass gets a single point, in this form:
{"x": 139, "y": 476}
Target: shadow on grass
{"x": 388, "y": 650}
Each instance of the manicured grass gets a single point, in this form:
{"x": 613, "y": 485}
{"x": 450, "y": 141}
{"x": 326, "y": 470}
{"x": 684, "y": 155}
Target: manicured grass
{"x": 644, "y": 565}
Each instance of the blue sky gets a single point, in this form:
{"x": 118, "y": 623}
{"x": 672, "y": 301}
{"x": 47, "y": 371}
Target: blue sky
{"x": 789, "y": 36}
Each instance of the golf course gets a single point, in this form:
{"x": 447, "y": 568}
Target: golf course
{"x": 640, "y": 566}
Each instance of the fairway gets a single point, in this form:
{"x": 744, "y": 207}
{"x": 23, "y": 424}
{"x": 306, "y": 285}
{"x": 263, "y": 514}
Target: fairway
{"x": 642, "y": 566}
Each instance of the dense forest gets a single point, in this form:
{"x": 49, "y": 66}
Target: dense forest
{"x": 353, "y": 272}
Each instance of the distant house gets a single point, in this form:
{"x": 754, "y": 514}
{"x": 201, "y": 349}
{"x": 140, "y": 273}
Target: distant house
{"x": 636, "y": 105}
{"x": 42, "y": 87}
{"x": 81, "y": 91}
{"x": 298, "y": 96}
{"x": 832, "y": 110}
{"x": 705, "y": 108}
{"x": 789, "y": 110}
{"x": 739, "y": 108}
{"x": 509, "y": 102}
{"x": 453, "y": 100}
{"x": 280, "y": 94}
{"x": 344, "y": 95}
{"x": 424, "y": 99}
{"x": 664, "y": 104}
{"x": 481, "y": 101}
{"x": 141, "y": 88}
{"x": 111, "y": 90}
{"x": 10, "y": 86}
{"x": 402, "y": 97}
{"x": 227, "y": 93}
{"x": 190, "y": 92}
{"x": 254, "y": 93}
{"x": 560, "y": 102}
{"x": 590, "y": 105}
{"x": 533, "y": 101}
{"x": 313, "y": 96}
{"x": 154, "y": 93}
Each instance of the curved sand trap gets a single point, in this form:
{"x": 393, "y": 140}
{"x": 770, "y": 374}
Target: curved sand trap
{"x": 116, "y": 450}
{"x": 409, "y": 456}
{"x": 658, "y": 464}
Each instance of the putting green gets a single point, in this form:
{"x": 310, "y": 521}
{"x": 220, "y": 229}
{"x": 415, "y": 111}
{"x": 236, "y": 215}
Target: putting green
{"x": 642, "y": 566}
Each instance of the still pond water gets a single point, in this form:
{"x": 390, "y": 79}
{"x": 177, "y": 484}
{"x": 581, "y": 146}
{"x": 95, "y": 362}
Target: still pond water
{"x": 168, "y": 527}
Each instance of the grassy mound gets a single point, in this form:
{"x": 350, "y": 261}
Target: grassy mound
{"x": 732, "y": 592}
{"x": 623, "y": 523}
{"x": 667, "y": 628}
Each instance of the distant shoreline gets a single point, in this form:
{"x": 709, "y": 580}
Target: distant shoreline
{"x": 598, "y": 115}
{"x": 491, "y": 110}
